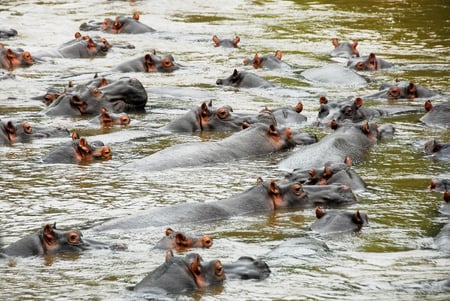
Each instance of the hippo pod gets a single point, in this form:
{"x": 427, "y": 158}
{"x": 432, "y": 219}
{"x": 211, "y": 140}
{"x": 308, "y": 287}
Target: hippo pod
{"x": 11, "y": 59}
{"x": 120, "y": 24}
{"x": 242, "y": 79}
{"x": 334, "y": 221}
{"x": 78, "y": 151}
{"x": 345, "y": 110}
{"x": 256, "y": 140}
{"x": 268, "y": 61}
{"x": 402, "y": 90}
{"x": 226, "y": 43}
{"x": 180, "y": 241}
{"x": 123, "y": 95}
{"x": 351, "y": 140}
{"x": 368, "y": 63}
{"x": 345, "y": 49}
{"x": 437, "y": 115}
{"x": 150, "y": 62}
{"x": 264, "y": 197}
{"x": 50, "y": 241}
{"x": 179, "y": 275}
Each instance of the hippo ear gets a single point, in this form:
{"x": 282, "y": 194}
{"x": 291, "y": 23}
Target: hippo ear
{"x": 136, "y": 16}
{"x": 210, "y": 103}
{"x": 49, "y": 235}
{"x": 348, "y": 161}
{"x": 259, "y": 181}
{"x": 235, "y": 73}
{"x": 75, "y": 135}
{"x": 335, "y": 42}
{"x": 169, "y": 255}
{"x": 299, "y": 107}
{"x": 91, "y": 45}
{"x": 196, "y": 267}
{"x": 216, "y": 40}
{"x": 236, "y": 41}
{"x": 323, "y": 100}
{"x": 103, "y": 82}
{"x": 169, "y": 231}
{"x": 181, "y": 240}
{"x": 273, "y": 188}
{"x": 257, "y": 62}
{"x": 446, "y": 196}
{"x": 278, "y": 54}
{"x": 354, "y": 45}
{"x": 428, "y": 106}
{"x": 319, "y": 212}
{"x": 149, "y": 63}
{"x": 356, "y": 218}
{"x": 358, "y": 102}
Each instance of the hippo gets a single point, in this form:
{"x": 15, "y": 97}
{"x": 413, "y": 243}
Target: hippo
{"x": 107, "y": 119}
{"x": 266, "y": 196}
{"x": 208, "y": 118}
{"x": 368, "y": 63}
{"x": 437, "y": 150}
{"x": 256, "y": 140}
{"x": 50, "y": 241}
{"x": 345, "y": 49}
{"x": 12, "y": 132}
{"x": 442, "y": 240}
{"x": 150, "y": 62}
{"x": 270, "y": 62}
{"x": 11, "y": 59}
{"x": 402, "y": 90}
{"x": 336, "y": 221}
{"x": 242, "y": 79}
{"x": 333, "y": 173}
{"x": 439, "y": 184}
{"x": 181, "y": 275}
{"x": 246, "y": 267}
{"x": 287, "y": 115}
{"x": 123, "y": 95}
{"x": 179, "y": 241}
{"x": 121, "y": 24}
{"x": 226, "y": 43}
{"x": 334, "y": 75}
{"x": 445, "y": 208}
{"x": 352, "y": 140}
{"x": 437, "y": 115}
{"x": 79, "y": 47}
{"x": 6, "y": 33}
{"x": 346, "y": 110}
{"x": 78, "y": 151}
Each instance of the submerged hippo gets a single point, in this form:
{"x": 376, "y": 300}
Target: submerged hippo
{"x": 257, "y": 140}
{"x": 437, "y": 150}
{"x": 80, "y": 47}
{"x": 50, "y": 241}
{"x": 179, "y": 241}
{"x": 6, "y": 33}
{"x": 120, "y": 24}
{"x": 208, "y": 118}
{"x": 242, "y": 79}
{"x": 334, "y": 221}
{"x": 437, "y": 114}
{"x": 78, "y": 151}
{"x": 368, "y": 63}
{"x": 12, "y": 132}
{"x": 246, "y": 268}
{"x": 287, "y": 115}
{"x": 150, "y": 62}
{"x": 123, "y": 95}
{"x": 402, "y": 90}
{"x": 439, "y": 184}
{"x": 11, "y": 59}
{"x": 334, "y": 75}
{"x": 106, "y": 119}
{"x": 226, "y": 43}
{"x": 180, "y": 275}
{"x": 264, "y": 197}
{"x": 346, "y": 110}
{"x": 345, "y": 49}
{"x": 267, "y": 61}
{"x": 351, "y": 140}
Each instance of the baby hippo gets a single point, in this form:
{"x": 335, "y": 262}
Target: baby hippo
{"x": 176, "y": 240}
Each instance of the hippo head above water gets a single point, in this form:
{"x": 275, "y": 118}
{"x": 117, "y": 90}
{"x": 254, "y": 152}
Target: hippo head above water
{"x": 176, "y": 240}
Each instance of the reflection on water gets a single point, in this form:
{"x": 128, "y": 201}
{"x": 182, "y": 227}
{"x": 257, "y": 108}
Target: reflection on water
{"x": 392, "y": 258}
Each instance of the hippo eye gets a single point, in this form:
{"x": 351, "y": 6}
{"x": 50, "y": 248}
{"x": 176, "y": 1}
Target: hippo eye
{"x": 219, "y": 269}
{"x": 27, "y": 128}
{"x": 359, "y": 66}
{"x": 96, "y": 92}
{"x": 223, "y": 113}
{"x": 73, "y": 238}
{"x": 297, "y": 189}
{"x": 167, "y": 63}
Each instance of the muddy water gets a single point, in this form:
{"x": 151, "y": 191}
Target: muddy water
{"x": 392, "y": 259}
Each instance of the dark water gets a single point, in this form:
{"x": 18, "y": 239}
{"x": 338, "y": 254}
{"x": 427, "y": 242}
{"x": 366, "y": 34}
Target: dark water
{"x": 392, "y": 259}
